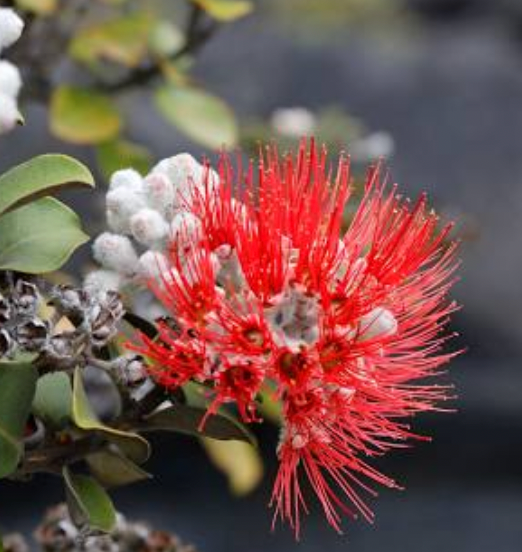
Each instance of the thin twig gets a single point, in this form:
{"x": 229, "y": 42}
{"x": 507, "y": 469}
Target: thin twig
{"x": 198, "y": 33}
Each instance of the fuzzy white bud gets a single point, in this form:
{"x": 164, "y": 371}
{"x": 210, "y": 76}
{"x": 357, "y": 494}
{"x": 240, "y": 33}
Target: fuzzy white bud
{"x": 153, "y": 264}
{"x": 379, "y": 322}
{"x": 122, "y": 203}
{"x": 98, "y": 282}
{"x": 9, "y": 114}
{"x": 10, "y": 79}
{"x": 11, "y": 27}
{"x": 159, "y": 192}
{"x": 116, "y": 252}
{"x": 186, "y": 227}
{"x": 375, "y": 145}
{"x": 179, "y": 169}
{"x": 186, "y": 175}
{"x": 126, "y": 178}
{"x": 149, "y": 227}
{"x": 293, "y": 121}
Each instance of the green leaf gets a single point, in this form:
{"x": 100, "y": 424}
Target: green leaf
{"x": 83, "y": 116}
{"x": 120, "y": 154}
{"x": 203, "y": 117}
{"x": 53, "y": 400}
{"x": 183, "y": 418}
{"x": 226, "y": 10}
{"x": 39, "y": 237}
{"x": 39, "y": 7}
{"x": 122, "y": 40}
{"x": 240, "y": 462}
{"x": 89, "y": 504}
{"x": 132, "y": 444}
{"x": 113, "y": 469}
{"x": 17, "y": 388}
{"x": 269, "y": 406}
{"x": 41, "y": 175}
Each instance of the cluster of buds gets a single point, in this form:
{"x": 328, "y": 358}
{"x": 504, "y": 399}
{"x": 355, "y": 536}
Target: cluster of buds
{"x": 342, "y": 322}
{"x": 57, "y": 533}
{"x": 11, "y": 27}
{"x": 77, "y": 321}
{"x": 144, "y": 214}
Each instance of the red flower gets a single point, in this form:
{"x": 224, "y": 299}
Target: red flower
{"x": 348, "y": 324}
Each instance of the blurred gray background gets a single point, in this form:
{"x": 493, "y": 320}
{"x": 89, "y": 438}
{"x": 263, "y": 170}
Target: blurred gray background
{"x": 445, "y": 79}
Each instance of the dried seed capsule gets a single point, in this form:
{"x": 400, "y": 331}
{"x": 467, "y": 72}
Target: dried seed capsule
{"x": 7, "y": 343}
{"x": 70, "y": 300}
{"x": 130, "y": 370}
{"x": 57, "y": 532}
{"x": 5, "y": 310}
{"x": 15, "y": 543}
{"x": 25, "y": 298}
{"x": 32, "y": 335}
{"x": 102, "y": 317}
{"x": 112, "y": 302}
{"x": 60, "y": 348}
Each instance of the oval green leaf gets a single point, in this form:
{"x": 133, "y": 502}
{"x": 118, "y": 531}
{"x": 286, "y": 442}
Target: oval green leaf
{"x": 240, "y": 462}
{"x": 83, "y": 116}
{"x": 38, "y": 7}
{"x": 17, "y": 388}
{"x": 131, "y": 444}
{"x": 89, "y": 505}
{"x": 113, "y": 469}
{"x": 41, "y": 175}
{"x": 226, "y": 10}
{"x": 39, "y": 237}
{"x": 53, "y": 399}
{"x": 182, "y": 418}
{"x": 203, "y": 117}
{"x": 122, "y": 40}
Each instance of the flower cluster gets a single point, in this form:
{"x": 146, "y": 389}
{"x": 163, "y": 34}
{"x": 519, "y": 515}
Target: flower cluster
{"x": 274, "y": 291}
{"x": 11, "y": 27}
{"x": 142, "y": 215}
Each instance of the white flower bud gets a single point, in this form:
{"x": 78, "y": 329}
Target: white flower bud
{"x": 122, "y": 203}
{"x": 11, "y": 27}
{"x": 186, "y": 227}
{"x": 149, "y": 227}
{"x": 186, "y": 174}
{"x": 373, "y": 146}
{"x": 159, "y": 192}
{"x": 10, "y": 79}
{"x": 380, "y": 322}
{"x": 299, "y": 441}
{"x": 9, "y": 114}
{"x": 116, "y": 252}
{"x": 126, "y": 178}
{"x": 153, "y": 264}
{"x": 99, "y": 282}
{"x": 293, "y": 121}
{"x": 179, "y": 169}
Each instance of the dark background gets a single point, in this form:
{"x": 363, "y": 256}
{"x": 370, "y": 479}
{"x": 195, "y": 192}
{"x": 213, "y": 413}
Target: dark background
{"x": 445, "y": 78}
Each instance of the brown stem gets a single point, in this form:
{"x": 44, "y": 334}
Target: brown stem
{"x": 53, "y": 458}
{"x": 198, "y": 33}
